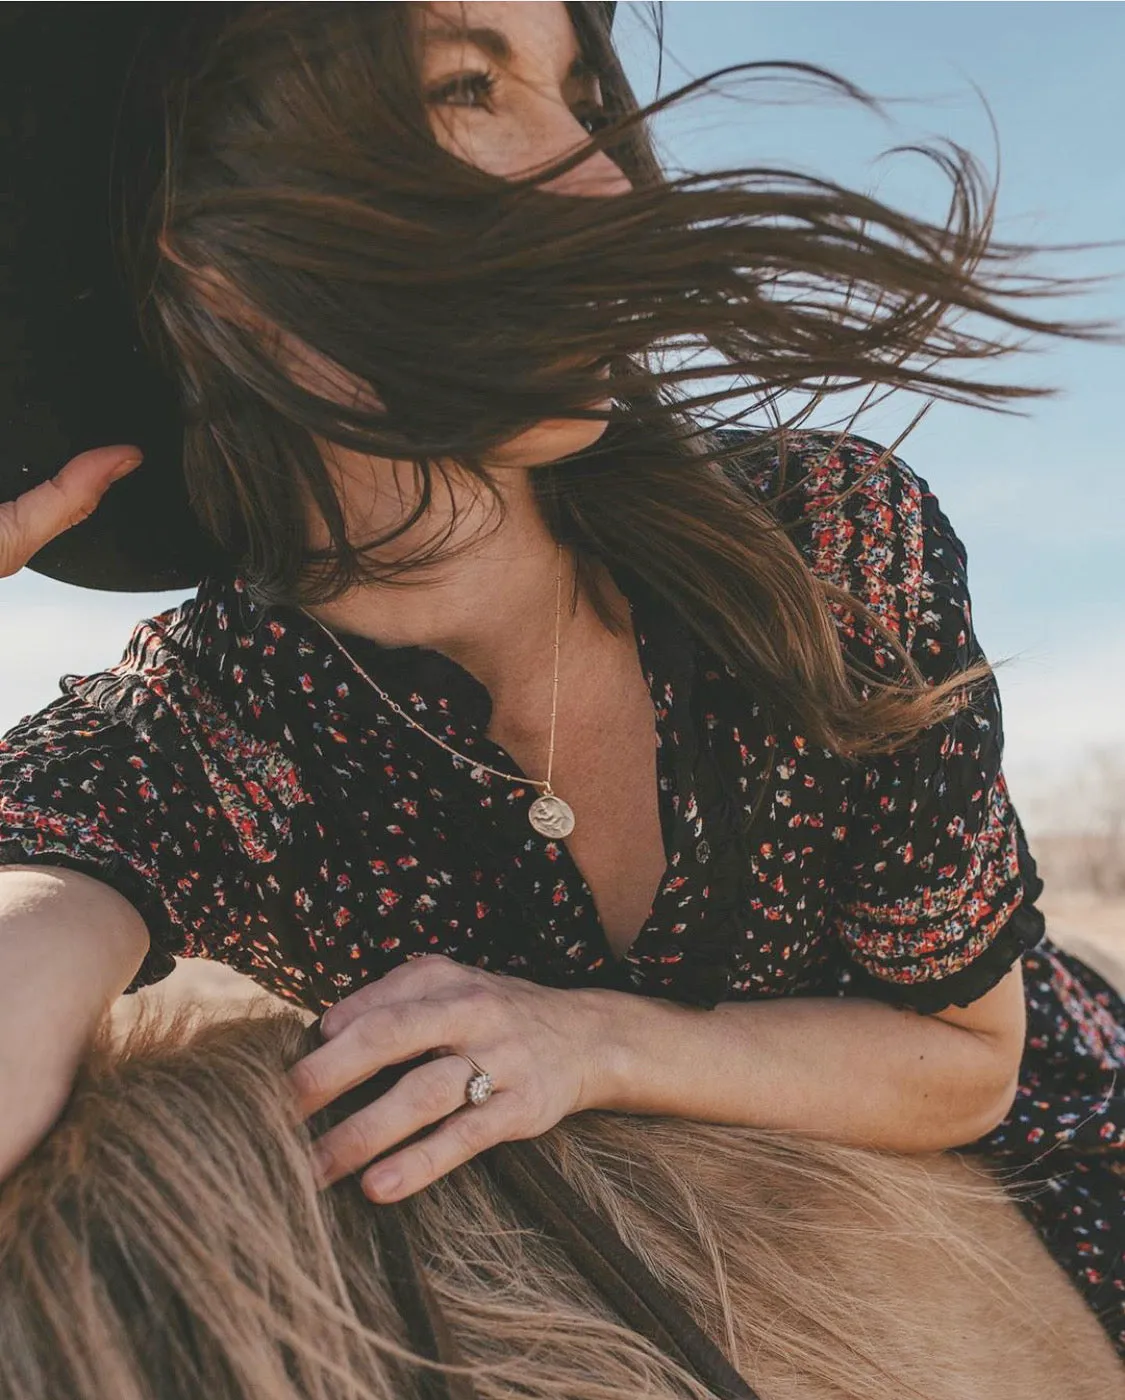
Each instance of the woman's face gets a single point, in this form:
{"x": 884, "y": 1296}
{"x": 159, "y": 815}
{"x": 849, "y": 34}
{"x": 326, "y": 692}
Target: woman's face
{"x": 508, "y": 90}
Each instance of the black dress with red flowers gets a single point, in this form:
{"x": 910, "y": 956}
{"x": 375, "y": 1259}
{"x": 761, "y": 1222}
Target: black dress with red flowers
{"x": 259, "y": 803}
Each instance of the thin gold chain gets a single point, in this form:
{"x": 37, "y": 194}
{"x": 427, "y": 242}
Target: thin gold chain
{"x": 544, "y": 784}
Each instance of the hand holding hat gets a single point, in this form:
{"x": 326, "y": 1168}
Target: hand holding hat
{"x": 80, "y": 125}
{"x": 74, "y": 375}
{"x": 59, "y": 503}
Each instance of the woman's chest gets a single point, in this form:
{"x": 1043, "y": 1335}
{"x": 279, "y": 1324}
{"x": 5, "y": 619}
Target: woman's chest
{"x": 606, "y": 771}
{"x": 401, "y": 851}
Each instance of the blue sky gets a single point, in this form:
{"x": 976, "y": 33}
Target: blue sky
{"x": 1038, "y": 499}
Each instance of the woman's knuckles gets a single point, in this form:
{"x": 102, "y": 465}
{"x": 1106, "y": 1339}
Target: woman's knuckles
{"x": 310, "y": 1084}
{"x": 381, "y": 1032}
{"x": 430, "y": 968}
{"x": 473, "y": 1133}
{"x": 348, "y": 1145}
{"x": 440, "y": 1093}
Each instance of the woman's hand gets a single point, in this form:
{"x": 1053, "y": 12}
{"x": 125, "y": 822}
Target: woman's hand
{"x": 64, "y": 500}
{"x": 541, "y": 1045}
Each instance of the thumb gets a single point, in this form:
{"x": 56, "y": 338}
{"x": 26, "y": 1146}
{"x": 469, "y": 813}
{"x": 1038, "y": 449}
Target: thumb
{"x": 59, "y": 503}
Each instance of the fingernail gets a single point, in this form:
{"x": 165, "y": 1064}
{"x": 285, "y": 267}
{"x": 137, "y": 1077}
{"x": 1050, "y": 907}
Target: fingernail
{"x": 383, "y": 1182}
{"x": 125, "y": 465}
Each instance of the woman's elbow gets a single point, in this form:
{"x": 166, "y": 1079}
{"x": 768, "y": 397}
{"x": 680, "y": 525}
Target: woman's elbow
{"x": 997, "y": 1024}
{"x": 995, "y": 1108}
{"x": 985, "y": 1103}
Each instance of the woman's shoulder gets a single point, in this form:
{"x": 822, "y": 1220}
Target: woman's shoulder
{"x": 172, "y": 709}
{"x": 74, "y": 720}
{"x": 135, "y": 776}
{"x": 824, "y": 479}
{"x": 864, "y": 520}
{"x": 123, "y": 720}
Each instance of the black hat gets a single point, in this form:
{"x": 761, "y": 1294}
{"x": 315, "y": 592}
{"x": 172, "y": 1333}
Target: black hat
{"x": 73, "y": 372}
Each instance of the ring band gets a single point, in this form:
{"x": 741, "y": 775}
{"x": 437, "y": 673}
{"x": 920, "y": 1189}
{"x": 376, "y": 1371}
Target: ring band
{"x": 479, "y": 1088}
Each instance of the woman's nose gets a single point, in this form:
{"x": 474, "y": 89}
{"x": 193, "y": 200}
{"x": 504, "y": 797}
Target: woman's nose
{"x": 597, "y": 176}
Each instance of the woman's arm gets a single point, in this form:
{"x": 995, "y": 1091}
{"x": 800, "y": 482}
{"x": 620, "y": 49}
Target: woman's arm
{"x": 68, "y": 946}
{"x": 851, "y": 1070}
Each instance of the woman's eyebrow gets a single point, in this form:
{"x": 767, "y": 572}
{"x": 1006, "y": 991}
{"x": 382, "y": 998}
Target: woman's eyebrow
{"x": 494, "y": 43}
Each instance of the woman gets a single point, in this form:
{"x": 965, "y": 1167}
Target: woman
{"x": 167, "y": 1241}
{"x": 726, "y": 837}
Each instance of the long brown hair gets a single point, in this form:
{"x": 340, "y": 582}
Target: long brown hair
{"x": 167, "y": 1242}
{"x": 300, "y": 169}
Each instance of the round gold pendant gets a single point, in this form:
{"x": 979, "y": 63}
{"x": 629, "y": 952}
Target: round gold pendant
{"x": 551, "y": 816}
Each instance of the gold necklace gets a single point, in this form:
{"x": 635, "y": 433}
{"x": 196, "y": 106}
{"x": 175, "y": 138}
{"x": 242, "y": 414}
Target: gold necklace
{"x": 549, "y": 815}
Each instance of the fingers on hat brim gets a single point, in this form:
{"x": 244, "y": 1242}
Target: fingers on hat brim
{"x": 54, "y": 506}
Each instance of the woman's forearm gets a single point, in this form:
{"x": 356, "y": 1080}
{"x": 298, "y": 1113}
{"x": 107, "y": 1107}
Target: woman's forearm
{"x": 850, "y": 1070}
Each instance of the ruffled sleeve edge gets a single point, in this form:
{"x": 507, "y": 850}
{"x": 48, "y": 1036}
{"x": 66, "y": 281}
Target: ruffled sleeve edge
{"x": 113, "y": 870}
{"x": 1022, "y": 932}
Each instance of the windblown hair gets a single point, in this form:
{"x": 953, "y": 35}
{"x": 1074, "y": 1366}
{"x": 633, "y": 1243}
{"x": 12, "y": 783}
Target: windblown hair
{"x": 299, "y": 172}
{"x": 167, "y": 1241}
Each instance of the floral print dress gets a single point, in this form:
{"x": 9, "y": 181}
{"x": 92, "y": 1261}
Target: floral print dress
{"x": 258, "y": 803}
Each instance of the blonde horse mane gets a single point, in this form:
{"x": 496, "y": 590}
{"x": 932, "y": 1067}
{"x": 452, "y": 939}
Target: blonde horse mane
{"x": 167, "y": 1241}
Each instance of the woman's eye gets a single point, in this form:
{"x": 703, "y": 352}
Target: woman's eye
{"x": 471, "y": 83}
{"x": 482, "y": 85}
{"x": 596, "y": 116}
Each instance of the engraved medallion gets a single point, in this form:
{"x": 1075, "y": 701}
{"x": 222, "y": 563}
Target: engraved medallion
{"x": 551, "y": 816}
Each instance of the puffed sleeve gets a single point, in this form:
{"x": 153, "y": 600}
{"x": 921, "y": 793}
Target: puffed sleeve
{"x": 935, "y": 900}
{"x": 84, "y": 790}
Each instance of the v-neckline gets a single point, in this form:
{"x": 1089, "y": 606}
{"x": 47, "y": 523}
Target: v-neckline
{"x": 665, "y": 657}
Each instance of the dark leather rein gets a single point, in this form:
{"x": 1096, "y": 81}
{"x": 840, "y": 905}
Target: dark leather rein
{"x": 525, "y": 1174}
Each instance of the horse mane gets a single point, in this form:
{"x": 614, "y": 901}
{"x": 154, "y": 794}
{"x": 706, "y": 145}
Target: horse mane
{"x": 167, "y": 1241}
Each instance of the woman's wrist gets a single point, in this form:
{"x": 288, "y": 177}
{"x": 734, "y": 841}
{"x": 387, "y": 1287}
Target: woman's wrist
{"x": 622, "y": 1049}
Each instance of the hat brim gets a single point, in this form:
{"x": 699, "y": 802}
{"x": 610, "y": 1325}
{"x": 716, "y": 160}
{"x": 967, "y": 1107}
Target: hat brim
{"x": 73, "y": 372}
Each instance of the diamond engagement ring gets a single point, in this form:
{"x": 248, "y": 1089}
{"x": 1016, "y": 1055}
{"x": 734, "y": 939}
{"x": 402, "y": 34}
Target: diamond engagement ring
{"x": 479, "y": 1088}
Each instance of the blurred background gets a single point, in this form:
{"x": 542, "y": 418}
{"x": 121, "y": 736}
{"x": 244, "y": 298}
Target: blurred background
{"x": 1036, "y": 493}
